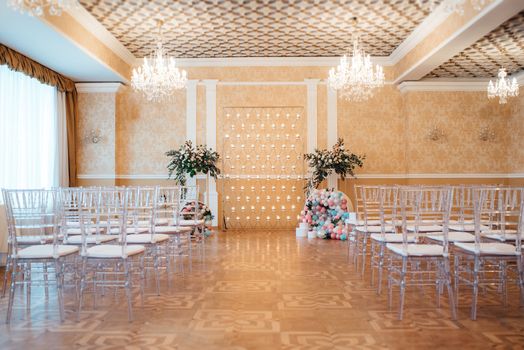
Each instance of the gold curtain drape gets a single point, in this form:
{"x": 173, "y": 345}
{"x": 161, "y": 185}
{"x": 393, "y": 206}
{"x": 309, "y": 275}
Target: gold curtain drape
{"x": 20, "y": 63}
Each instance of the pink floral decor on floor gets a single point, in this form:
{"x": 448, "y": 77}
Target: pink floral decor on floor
{"x": 325, "y": 211}
{"x": 203, "y": 213}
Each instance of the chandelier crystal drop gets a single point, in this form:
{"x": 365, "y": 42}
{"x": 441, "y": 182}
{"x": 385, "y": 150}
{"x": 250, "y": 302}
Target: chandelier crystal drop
{"x": 158, "y": 77}
{"x": 37, "y": 7}
{"x": 503, "y": 87}
{"x": 356, "y": 78}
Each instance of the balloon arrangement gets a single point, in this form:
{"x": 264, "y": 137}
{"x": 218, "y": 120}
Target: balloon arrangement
{"x": 203, "y": 213}
{"x": 325, "y": 211}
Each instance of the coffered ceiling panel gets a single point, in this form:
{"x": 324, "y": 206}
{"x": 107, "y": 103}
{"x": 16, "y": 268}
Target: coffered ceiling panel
{"x": 257, "y": 28}
{"x": 503, "y": 47}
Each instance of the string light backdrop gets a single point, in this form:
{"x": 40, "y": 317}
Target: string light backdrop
{"x": 262, "y": 166}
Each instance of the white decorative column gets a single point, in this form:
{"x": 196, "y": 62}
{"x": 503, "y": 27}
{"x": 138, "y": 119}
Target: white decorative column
{"x": 332, "y": 131}
{"x": 211, "y": 141}
{"x": 312, "y": 85}
{"x": 191, "y": 115}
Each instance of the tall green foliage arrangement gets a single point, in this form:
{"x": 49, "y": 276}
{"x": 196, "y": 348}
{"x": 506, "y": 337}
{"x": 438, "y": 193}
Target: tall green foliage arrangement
{"x": 324, "y": 162}
{"x": 189, "y": 160}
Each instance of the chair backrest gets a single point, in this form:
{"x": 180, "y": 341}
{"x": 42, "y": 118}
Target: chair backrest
{"x": 34, "y": 217}
{"x": 77, "y": 202}
{"x": 141, "y": 208}
{"x": 388, "y": 208}
{"x": 425, "y": 207}
{"x": 499, "y": 208}
{"x": 168, "y": 203}
{"x": 370, "y": 197}
{"x": 113, "y": 214}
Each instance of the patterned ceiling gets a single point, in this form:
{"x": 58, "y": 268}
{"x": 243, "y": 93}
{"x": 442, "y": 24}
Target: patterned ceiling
{"x": 504, "y": 47}
{"x": 257, "y": 28}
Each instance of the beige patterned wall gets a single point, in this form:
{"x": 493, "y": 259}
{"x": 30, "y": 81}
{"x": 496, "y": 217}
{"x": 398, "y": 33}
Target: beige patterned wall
{"x": 459, "y": 116}
{"x": 96, "y": 111}
{"x": 146, "y": 130}
{"x": 376, "y": 129}
{"x": 515, "y": 159}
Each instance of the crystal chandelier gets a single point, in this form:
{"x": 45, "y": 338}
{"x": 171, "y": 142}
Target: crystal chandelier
{"x": 36, "y": 7}
{"x": 355, "y": 78}
{"x": 503, "y": 87}
{"x": 450, "y": 6}
{"x": 158, "y": 77}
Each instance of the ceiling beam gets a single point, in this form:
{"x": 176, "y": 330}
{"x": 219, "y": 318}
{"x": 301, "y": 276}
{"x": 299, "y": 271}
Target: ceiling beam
{"x": 453, "y": 35}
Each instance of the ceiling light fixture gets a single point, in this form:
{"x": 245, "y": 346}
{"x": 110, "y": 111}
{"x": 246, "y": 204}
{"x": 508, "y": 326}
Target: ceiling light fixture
{"x": 355, "y": 78}
{"x": 36, "y": 7}
{"x": 158, "y": 77}
{"x": 503, "y": 87}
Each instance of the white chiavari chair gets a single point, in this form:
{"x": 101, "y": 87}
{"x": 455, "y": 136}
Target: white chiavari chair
{"x": 415, "y": 261}
{"x": 35, "y": 216}
{"x": 109, "y": 265}
{"x": 488, "y": 262}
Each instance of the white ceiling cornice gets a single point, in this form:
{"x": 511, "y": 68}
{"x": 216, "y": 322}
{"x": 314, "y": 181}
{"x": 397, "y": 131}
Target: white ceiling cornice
{"x": 89, "y": 88}
{"x": 82, "y": 16}
{"x": 269, "y": 62}
{"x": 423, "y": 30}
{"x": 443, "y": 85}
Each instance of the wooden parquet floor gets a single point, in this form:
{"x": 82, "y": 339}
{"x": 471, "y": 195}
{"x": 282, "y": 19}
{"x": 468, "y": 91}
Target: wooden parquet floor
{"x": 265, "y": 290}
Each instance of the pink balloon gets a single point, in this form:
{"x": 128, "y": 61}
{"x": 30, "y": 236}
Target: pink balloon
{"x": 333, "y": 236}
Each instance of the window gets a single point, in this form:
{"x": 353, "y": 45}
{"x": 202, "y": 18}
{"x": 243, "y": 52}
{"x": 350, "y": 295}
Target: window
{"x": 29, "y": 132}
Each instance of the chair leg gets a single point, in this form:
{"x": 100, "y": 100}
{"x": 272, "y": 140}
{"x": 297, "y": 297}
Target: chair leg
{"x": 520, "y": 267}
{"x": 6, "y": 273}
{"x": 46, "y": 283}
{"x": 82, "y": 287}
{"x": 12, "y": 290}
{"x": 402, "y": 287}
{"x": 380, "y": 268}
{"x": 156, "y": 267}
{"x": 475, "y": 288}
{"x": 142, "y": 272}
{"x": 447, "y": 276}
{"x": 364, "y": 251}
{"x": 59, "y": 281}
{"x": 27, "y": 276}
{"x": 456, "y": 279}
{"x": 128, "y": 290}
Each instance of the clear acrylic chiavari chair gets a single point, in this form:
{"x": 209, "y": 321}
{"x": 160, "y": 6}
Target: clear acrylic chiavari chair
{"x": 109, "y": 265}
{"x": 168, "y": 208}
{"x": 492, "y": 263}
{"x": 35, "y": 216}
{"x": 190, "y": 217}
{"x": 415, "y": 261}
{"x": 141, "y": 213}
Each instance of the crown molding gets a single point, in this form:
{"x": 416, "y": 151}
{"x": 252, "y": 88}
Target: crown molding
{"x": 82, "y": 16}
{"x": 269, "y": 62}
{"x": 89, "y": 88}
{"x": 447, "y": 85}
{"x": 425, "y": 28}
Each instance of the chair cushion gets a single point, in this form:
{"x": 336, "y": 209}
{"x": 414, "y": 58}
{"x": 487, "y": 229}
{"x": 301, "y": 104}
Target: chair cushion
{"x": 158, "y": 222}
{"x": 391, "y": 237}
{"x": 145, "y": 238}
{"x": 424, "y": 228}
{"x": 45, "y": 251}
{"x": 466, "y": 227}
{"x": 416, "y": 249}
{"x": 24, "y": 240}
{"x": 90, "y": 239}
{"x": 500, "y": 237}
{"x": 489, "y": 248}
{"x": 172, "y": 229}
{"x": 375, "y": 229}
{"x": 453, "y": 236}
{"x": 129, "y": 230}
{"x": 183, "y": 222}
{"x": 78, "y": 231}
{"x": 113, "y": 251}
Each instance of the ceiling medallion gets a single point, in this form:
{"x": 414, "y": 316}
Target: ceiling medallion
{"x": 503, "y": 87}
{"x": 158, "y": 77}
{"x": 36, "y": 7}
{"x": 451, "y": 6}
{"x": 355, "y": 78}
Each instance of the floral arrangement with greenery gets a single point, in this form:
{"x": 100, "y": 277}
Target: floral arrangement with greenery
{"x": 188, "y": 160}
{"x": 324, "y": 163}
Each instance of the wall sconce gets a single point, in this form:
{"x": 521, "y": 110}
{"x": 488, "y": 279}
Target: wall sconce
{"x": 93, "y": 136}
{"x": 435, "y": 134}
{"x": 487, "y": 134}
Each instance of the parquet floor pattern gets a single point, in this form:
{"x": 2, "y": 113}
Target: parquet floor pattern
{"x": 265, "y": 290}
